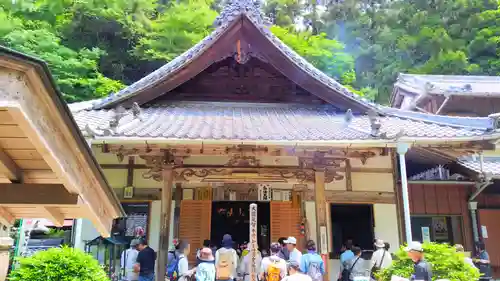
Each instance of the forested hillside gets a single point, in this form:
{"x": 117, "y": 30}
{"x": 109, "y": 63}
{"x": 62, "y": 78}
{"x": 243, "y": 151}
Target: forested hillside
{"x": 94, "y": 47}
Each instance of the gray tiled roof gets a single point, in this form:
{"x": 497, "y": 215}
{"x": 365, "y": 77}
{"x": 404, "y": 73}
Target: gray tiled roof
{"x": 238, "y": 121}
{"x": 491, "y": 164}
{"x": 230, "y": 14}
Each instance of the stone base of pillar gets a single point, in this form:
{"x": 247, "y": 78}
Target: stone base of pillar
{"x": 5, "y": 245}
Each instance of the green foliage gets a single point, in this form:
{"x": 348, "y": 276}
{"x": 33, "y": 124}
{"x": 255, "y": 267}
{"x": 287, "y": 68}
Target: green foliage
{"x": 75, "y": 71}
{"x": 446, "y": 264}
{"x": 55, "y": 233}
{"x": 94, "y": 47}
{"x": 327, "y": 55}
{"x": 181, "y": 26}
{"x": 457, "y": 37}
{"x": 61, "y": 264}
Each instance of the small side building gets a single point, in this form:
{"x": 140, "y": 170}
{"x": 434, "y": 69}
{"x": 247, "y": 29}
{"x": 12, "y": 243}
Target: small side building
{"x": 467, "y": 188}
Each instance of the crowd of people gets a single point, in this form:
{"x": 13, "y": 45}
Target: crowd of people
{"x": 281, "y": 262}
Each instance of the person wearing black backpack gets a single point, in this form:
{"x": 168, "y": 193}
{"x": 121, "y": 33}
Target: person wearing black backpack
{"x": 355, "y": 267}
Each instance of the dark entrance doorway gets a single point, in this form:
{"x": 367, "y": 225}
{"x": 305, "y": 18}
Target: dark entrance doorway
{"x": 232, "y": 217}
{"x": 352, "y": 221}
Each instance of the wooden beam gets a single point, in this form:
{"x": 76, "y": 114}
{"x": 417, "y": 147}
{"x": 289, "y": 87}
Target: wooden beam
{"x": 8, "y": 167}
{"x": 177, "y": 208}
{"x": 40, "y": 177}
{"x": 321, "y": 215}
{"x": 371, "y": 170}
{"x": 348, "y": 175}
{"x": 166, "y": 208}
{"x": 6, "y": 217}
{"x": 36, "y": 194}
{"x": 54, "y": 215}
{"x": 354, "y": 197}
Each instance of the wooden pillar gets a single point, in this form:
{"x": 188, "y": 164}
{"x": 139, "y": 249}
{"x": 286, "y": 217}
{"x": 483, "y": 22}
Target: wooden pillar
{"x": 166, "y": 208}
{"x": 321, "y": 217}
{"x": 177, "y": 209}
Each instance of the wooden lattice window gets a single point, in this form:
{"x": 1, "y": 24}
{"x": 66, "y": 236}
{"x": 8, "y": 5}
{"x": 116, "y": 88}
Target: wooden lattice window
{"x": 194, "y": 226}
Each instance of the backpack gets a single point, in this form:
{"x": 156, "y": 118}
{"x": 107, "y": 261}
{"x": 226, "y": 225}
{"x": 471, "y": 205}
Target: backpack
{"x": 346, "y": 273}
{"x": 173, "y": 267}
{"x": 273, "y": 272}
{"x": 224, "y": 267}
{"x": 314, "y": 271}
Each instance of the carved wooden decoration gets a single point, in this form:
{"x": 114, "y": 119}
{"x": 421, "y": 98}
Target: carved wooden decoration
{"x": 243, "y": 161}
{"x": 246, "y": 175}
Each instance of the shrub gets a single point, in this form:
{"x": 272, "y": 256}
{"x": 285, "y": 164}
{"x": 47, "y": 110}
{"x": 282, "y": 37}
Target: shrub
{"x": 446, "y": 264}
{"x": 59, "y": 264}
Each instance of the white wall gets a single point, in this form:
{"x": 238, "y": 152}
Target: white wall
{"x": 155, "y": 223}
{"x": 84, "y": 231}
{"x": 311, "y": 219}
{"x": 386, "y": 224}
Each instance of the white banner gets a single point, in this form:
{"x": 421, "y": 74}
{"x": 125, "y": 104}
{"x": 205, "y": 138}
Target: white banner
{"x": 253, "y": 242}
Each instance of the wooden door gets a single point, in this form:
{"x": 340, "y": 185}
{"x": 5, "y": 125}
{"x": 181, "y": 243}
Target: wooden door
{"x": 194, "y": 224}
{"x": 489, "y": 219}
{"x": 285, "y": 222}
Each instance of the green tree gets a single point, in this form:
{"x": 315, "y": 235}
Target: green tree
{"x": 62, "y": 264}
{"x": 181, "y": 26}
{"x": 446, "y": 264}
{"x": 75, "y": 71}
{"x": 326, "y": 54}
{"x": 389, "y": 37}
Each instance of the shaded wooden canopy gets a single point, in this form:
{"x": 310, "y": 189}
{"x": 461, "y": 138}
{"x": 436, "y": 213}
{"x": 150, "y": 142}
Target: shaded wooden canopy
{"x": 47, "y": 169}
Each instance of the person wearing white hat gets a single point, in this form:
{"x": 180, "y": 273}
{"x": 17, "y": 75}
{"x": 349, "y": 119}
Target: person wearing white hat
{"x": 291, "y": 244}
{"x": 422, "y": 270}
{"x": 128, "y": 259}
{"x": 381, "y": 258}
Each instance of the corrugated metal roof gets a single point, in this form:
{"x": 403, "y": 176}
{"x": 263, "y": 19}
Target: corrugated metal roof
{"x": 491, "y": 164}
{"x": 449, "y": 84}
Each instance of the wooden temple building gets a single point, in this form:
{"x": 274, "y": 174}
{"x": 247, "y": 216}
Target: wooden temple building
{"x": 47, "y": 168}
{"x": 239, "y": 118}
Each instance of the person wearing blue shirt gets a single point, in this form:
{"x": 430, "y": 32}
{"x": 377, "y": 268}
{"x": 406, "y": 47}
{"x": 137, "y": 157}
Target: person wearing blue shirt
{"x": 295, "y": 254}
{"x": 347, "y": 253}
{"x": 311, "y": 263}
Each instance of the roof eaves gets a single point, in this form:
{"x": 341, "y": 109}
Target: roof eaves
{"x": 473, "y": 123}
{"x": 42, "y": 67}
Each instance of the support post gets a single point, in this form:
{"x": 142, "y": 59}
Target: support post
{"x": 402, "y": 148}
{"x": 166, "y": 208}
{"x": 177, "y": 208}
{"x": 321, "y": 225}
{"x": 473, "y": 216}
